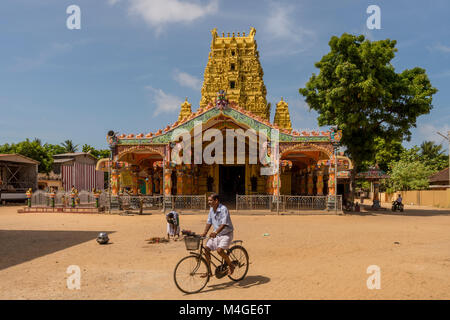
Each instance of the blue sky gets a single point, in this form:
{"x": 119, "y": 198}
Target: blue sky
{"x": 134, "y": 61}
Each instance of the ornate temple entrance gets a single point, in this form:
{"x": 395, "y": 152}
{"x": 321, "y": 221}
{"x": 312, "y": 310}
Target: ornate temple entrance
{"x": 231, "y": 182}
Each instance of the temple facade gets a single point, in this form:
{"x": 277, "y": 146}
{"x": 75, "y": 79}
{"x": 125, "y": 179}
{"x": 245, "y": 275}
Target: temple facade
{"x": 233, "y": 101}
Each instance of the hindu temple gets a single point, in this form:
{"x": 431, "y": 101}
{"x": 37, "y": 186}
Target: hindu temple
{"x": 233, "y": 97}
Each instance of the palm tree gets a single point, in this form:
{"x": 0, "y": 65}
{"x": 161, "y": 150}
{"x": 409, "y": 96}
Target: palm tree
{"x": 430, "y": 149}
{"x": 69, "y": 146}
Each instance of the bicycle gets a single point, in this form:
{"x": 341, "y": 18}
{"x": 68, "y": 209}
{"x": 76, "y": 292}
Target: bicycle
{"x": 192, "y": 272}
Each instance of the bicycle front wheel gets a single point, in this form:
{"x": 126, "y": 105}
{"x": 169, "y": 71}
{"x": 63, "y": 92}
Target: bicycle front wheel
{"x": 191, "y": 274}
{"x": 239, "y": 258}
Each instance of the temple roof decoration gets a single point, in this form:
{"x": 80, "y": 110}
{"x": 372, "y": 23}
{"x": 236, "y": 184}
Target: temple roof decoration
{"x": 185, "y": 110}
{"x": 282, "y": 117}
{"x": 233, "y": 65}
{"x": 233, "y": 111}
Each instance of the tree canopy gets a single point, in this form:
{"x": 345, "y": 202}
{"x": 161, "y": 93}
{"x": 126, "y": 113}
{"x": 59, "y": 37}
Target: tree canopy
{"x": 358, "y": 90}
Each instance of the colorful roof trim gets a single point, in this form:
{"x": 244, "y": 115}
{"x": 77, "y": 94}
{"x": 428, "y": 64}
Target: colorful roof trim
{"x": 233, "y": 111}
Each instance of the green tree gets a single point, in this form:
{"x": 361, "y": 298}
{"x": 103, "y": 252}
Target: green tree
{"x": 54, "y": 149}
{"x": 99, "y": 154}
{"x": 69, "y": 146}
{"x": 410, "y": 172}
{"x": 386, "y": 153}
{"x": 358, "y": 90}
{"x": 433, "y": 155}
{"x": 31, "y": 149}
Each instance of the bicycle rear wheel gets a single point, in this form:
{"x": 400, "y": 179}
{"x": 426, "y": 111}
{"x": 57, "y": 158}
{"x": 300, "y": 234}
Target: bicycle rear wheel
{"x": 191, "y": 274}
{"x": 239, "y": 258}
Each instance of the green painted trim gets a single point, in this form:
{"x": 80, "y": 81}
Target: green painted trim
{"x": 166, "y": 138}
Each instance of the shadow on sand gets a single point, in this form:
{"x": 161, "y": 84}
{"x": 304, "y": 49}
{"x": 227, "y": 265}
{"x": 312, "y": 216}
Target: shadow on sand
{"x": 18, "y": 246}
{"x": 414, "y": 212}
{"x": 247, "y": 282}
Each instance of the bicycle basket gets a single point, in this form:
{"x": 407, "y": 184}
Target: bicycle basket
{"x": 192, "y": 243}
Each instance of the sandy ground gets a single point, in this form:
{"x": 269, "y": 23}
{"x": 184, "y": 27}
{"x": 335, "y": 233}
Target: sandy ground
{"x": 303, "y": 257}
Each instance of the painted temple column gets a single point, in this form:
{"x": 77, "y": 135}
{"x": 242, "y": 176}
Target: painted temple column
{"x": 167, "y": 182}
{"x": 310, "y": 183}
{"x": 319, "y": 183}
{"x": 115, "y": 181}
{"x": 302, "y": 183}
{"x": 134, "y": 179}
{"x": 189, "y": 182}
{"x": 331, "y": 182}
{"x": 276, "y": 184}
{"x": 180, "y": 178}
{"x": 305, "y": 186}
{"x": 161, "y": 182}
{"x": 157, "y": 179}
{"x": 195, "y": 181}
{"x": 149, "y": 184}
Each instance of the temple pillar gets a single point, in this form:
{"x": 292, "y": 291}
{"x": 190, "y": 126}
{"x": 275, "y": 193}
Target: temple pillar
{"x": 115, "y": 182}
{"x": 134, "y": 179}
{"x": 157, "y": 180}
{"x": 189, "y": 182}
{"x": 161, "y": 183}
{"x": 195, "y": 181}
{"x": 319, "y": 183}
{"x": 302, "y": 183}
{"x": 310, "y": 181}
{"x": 149, "y": 184}
{"x": 276, "y": 184}
{"x": 305, "y": 186}
{"x": 180, "y": 178}
{"x": 331, "y": 182}
{"x": 167, "y": 182}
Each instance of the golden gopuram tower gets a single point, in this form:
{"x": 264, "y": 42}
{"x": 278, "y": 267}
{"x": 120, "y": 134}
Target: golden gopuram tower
{"x": 282, "y": 118}
{"x": 233, "y": 66}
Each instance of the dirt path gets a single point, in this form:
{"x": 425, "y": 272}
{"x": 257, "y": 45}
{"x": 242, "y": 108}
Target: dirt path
{"x": 303, "y": 257}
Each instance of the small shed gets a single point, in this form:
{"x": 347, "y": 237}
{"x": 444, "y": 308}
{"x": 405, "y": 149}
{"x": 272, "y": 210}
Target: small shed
{"x": 78, "y": 170}
{"x": 17, "y": 174}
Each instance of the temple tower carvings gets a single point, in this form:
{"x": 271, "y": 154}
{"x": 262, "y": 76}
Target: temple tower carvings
{"x": 282, "y": 118}
{"x": 233, "y": 65}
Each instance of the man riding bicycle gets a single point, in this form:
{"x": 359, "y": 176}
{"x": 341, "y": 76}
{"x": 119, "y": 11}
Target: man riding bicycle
{"x": 221, "y": 237}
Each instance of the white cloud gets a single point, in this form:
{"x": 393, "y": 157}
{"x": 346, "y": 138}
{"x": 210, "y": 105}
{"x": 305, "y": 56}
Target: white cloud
{"x": 441, "y": 47}
{"x": 158, "y": 13}
{"x": 428, "y": 132}
{"x": 29, "y": 63}
{"x": 187, "y": 80}
{"x": 164, "y": 102}
{"x": 285, "y": 36}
